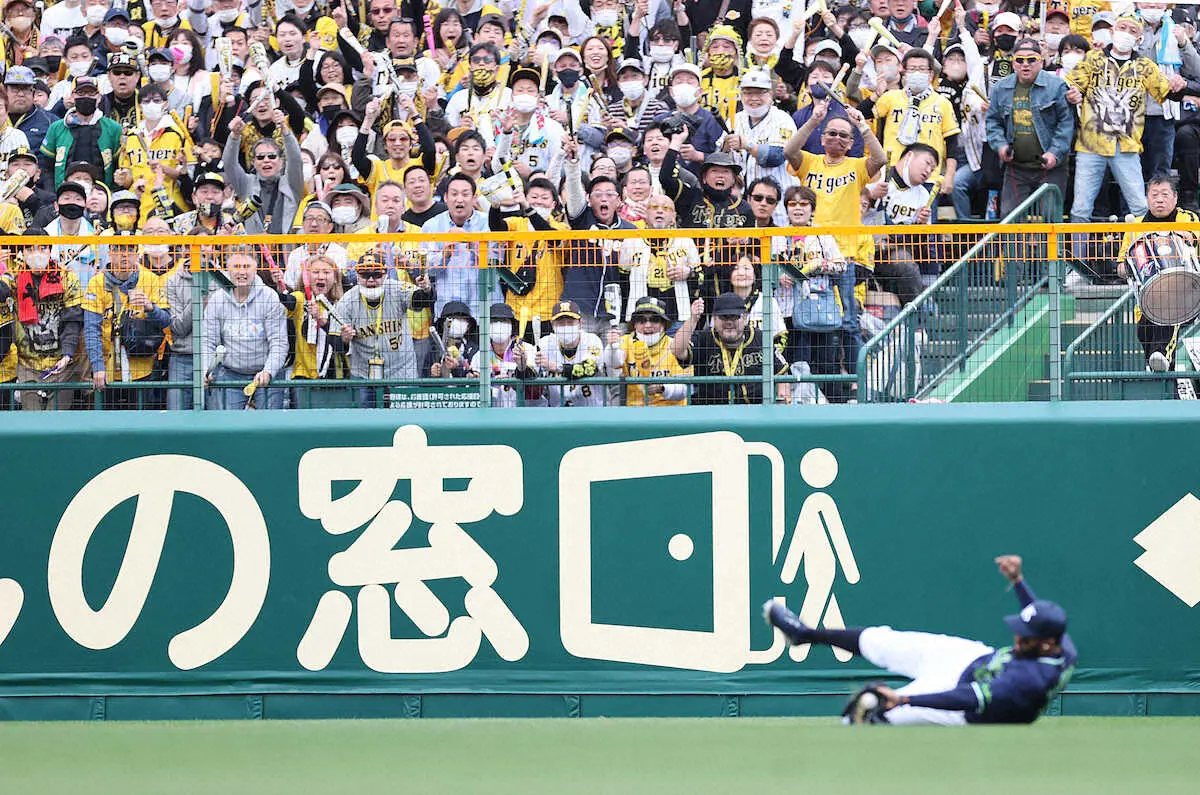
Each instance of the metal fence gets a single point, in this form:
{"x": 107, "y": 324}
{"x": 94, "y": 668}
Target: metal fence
{"x": 190, "y": 323}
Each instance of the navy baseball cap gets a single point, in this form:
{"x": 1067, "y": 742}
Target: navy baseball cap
{"x": 1038, "y": 619}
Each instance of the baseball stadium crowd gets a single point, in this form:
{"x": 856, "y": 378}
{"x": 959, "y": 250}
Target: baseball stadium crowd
{"x": 221, "y": 117}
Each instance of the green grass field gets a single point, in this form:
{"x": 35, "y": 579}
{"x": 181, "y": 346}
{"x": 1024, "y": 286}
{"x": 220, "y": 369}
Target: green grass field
{"x": 1063, "y": 756}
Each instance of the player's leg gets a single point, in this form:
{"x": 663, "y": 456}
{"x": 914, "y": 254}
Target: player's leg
{"x": 908, "y": 715}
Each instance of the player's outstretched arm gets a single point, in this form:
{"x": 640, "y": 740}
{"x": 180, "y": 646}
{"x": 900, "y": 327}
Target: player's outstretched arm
{"x": 1010, "y": 567}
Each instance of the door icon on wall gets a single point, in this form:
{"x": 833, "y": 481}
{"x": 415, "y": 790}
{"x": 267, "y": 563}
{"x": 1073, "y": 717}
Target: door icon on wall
{"x": 654, "y": 550}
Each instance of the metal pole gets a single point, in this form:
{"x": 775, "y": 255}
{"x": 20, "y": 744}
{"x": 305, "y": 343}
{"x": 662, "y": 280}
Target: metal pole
{"x": 199, "y": 282}
{"x": 770, "y": 272}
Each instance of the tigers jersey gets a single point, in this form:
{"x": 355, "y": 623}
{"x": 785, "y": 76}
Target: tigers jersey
{"x": 647, "y": 262}
{"x": 156, "y": 37}
{"x": 938, "y": 122}
{"x": 310, "y": 343}
{"x": 1114, "y": 101}
{"x": 8, "y": 361}
{"x": 39, "y": 345}
{"x": 579, "y": 393}
{"x": 639, "y": 360}
{"x": 99, "y": 298}
{"x": 1081, "y": 13}
{"x": 774, "y": 129}
{"x": 545, "y": 258}
{"x": 721, "y": 95}
{"x": 165, "y": 144}
{"x": 838, "y": 188}
{"x": 901, "y": 203}
{"x": 538, "y": 146}
{"x": 382, "y": 170}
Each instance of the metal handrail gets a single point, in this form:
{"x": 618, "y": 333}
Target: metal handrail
{"x": 908, "y": 315}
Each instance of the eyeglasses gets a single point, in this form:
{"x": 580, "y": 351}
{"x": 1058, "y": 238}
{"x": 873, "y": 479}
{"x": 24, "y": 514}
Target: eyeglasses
{"x": 839, "y": 134}
{"x": 1025, "y": 60}
{"x": 119, "y": 73}
{"x": 646, "y": 319}
{"x": 796, "y": 205}
{"x": 758, "y": 197}
{"x": 265, "y": 156}
{"x": 483, "y": 61}
{"x": 376, "y": 12}
{"x": 370, "y": 274}
{"x": 605, "y": 194}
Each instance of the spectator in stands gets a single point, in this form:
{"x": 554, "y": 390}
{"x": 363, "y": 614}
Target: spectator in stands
{"x": 508, "y": 357}
{"x": 375, "y": 328}
{"x": 662, "y": 268}
{"x": 125, "y": 316}
{"x": 906, "y": 197}
{"x": 454, "y": 267}
{"x": 459, "y": 333}
{"x": 728, "y": 347}
{"x": 704, "y": 129}
{"x": 250, "y": 322}
{"x": 1030, "y": 126}
{"x": 646, "y": 353}
{"x": 277, "y": 181}
{"x": 1110, "y": 86}
{"x": 572, "y": 353}
{"x": 1158, "y": 342}
{"x": 49, "y": 300}
{"x": 23, "y": 114}
{"x": 918, "y": 114}
{"x": 1166, "y": 44}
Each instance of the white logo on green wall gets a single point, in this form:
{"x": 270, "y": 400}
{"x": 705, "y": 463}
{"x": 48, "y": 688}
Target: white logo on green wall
{"x": 1172, "y": 544}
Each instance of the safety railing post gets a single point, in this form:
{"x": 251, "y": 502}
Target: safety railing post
{"x": 1055, "y": 317}
{"x": 486, "y": 276}
{"x": 770, "y": 272}
{"x": 199, "y": 285}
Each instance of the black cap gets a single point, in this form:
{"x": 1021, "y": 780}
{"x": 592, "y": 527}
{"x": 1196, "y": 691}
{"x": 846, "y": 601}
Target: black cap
{"x": 729, "y": 304}
{"x": 650, "y": 306}
{"x": 501, "y": 312}
{"x": 71, "y": 187}
{"x": 87, "y": 168}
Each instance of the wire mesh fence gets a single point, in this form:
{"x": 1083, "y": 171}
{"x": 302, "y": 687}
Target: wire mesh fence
{"x": 640, "y": 317}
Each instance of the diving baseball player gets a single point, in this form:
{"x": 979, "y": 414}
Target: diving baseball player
{"x": 955, "y": 681}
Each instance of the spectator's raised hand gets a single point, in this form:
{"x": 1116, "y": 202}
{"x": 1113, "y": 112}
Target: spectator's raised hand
{"x": 860, "y": 60}
{"x": 123, "y": 177}
{"x": 877, "y": 191}
{"x": 338, "y": 15}
{"x": 571, "y": 147}
{"x": 371, "y": 112}
{"x": 406, "y": 102}
{"x": 981, "y": 37}
{"x": 559, "y": 116}
{"x": 422, "y": 282}
{"x": 820, "y": 110}
{"x": 612, "y": 337}
{"x": 697, "y": 309}
{"x": 279, "y": 117}
{"x": 236, "y": 126}
{"x": 347, "y": 334}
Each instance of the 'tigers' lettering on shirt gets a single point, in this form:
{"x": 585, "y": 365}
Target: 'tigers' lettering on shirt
{"x": 828, "y": 185}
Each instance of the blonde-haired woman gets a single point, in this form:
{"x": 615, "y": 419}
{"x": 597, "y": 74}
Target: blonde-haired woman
{"x": 313, "y": 357}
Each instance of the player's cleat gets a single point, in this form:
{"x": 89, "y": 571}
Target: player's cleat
{"x": 1158, "y": 362}
{"x": 865, "y": 706}
{"x": 785, "y": 621}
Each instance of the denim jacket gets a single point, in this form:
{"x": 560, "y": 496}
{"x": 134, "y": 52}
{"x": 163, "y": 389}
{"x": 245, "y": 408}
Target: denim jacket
{"x": 1053, "y": 119}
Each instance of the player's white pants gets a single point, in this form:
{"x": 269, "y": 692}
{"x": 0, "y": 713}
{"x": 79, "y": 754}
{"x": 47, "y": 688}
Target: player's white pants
{"x": 933, "y": 662}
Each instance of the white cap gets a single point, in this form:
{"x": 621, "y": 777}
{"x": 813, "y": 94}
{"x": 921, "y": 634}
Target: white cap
{"x": 756, "y": 78}
{"x": 1008, "y": 19}
{"x": 568, "y": 51}
{"x": 828, "y": 45}
{"x": 691, "y": 69}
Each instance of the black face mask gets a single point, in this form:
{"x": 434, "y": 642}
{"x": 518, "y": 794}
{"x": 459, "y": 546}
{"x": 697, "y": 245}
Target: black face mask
{"x": 818, "y": 91}
{"x": 568, "y": 77}
{"x": 85, "y": 106}
{"x": 329, "y": 111}
{"x": 72, "y": 212}
{"x": 1005, "y": 42}
{"x": 53, "y": 61}
{"x": 717, "y": 196}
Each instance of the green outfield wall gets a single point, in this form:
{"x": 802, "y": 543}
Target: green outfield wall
{"x": 577, "y": 562}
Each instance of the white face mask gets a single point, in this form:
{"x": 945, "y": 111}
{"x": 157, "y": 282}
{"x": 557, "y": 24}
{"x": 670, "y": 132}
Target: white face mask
{"x": 408, "y": 88}
{"x": 546, "y": 51}
{"x": 370, "y": 293}
{"x": 153, "y": 111}
{"x": 1123, "y": 42}
{"x": 650, "y": 338}
{"x": 37, "y": 260}
{"x": 228, "y": 16}
{"x": 500, "y": 333}
{"x": 116, "y": 36}
{"x": 1053, "y": 40}
{"x": 346, "y": 135}
{"x": 79, "y": 68}
{"x": 987, "y": 8}
{"x": 1102, "y": 37}
{"x": 345, "y": 215}
{"x": 544, "y": 212}
{"x": 308, "y": 172}
{"x": 185, "y": 52}
{"x": 606, "y": 18}
{"x": 662, "y": 53}
{"x": 1071, "y": 59}
{"x": 95, "y": 15}
{"x": 168, "y": 22}
{"x": 685, "y": 95}
{"x": 1152, "y": 15}
{"x": 916, "y": 82}
{"x": 524, "y": 103}
{"x": 160, "y": 72}
{"x": 458, "y": 327}
{"x": 904, "y": 175}
{"x": 621, "y": 156}
{"x": 157, "y": 251}
{"x": 862, "y": 37}
{"x": 633, "y": 89}
{"x": 757, "y": 112}
{"x": 568, "y": 335}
